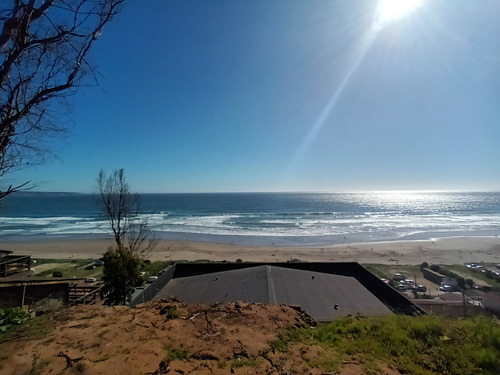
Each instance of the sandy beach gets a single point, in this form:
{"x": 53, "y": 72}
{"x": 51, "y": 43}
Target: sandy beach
{"x": 451, "y": 250}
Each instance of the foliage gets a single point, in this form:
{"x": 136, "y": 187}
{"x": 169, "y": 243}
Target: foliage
{"x": 32, "y": 328}
{"x": 170, "y": 312}
{"x": 12, "y": 316}
{"x": 175, "y": 353}
{"x": 420, "y": 345}
{"x": 443, "y": 271}
{"x": 120, "y": 275}
{"x": 44, "y": 50}
{"x": 424, "y": 265}
{"x": 460, "y": 282}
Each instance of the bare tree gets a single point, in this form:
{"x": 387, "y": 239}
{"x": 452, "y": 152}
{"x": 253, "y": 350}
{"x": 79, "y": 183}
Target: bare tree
{"x": 122, "y": 209}
{"x": 134, "y": 240}
{"x": 44, "y": 48}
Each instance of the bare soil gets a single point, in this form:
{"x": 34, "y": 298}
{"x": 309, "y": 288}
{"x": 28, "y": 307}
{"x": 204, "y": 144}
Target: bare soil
{"x": 168, "y": 337}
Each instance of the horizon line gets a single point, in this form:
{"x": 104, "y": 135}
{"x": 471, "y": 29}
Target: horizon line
{"x": 372, "y": 191}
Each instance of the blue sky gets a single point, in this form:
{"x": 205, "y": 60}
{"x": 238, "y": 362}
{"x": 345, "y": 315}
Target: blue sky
{"x": 287, "y": 95}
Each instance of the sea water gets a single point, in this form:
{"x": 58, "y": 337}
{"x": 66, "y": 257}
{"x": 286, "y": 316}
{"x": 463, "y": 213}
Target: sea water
{"x": 263, "y": 218}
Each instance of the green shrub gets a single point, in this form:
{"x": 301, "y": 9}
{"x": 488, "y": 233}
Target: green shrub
{"x": 175, "y": 353}
{"x": 170, "y": 312}
{"x": 12, "y": 316}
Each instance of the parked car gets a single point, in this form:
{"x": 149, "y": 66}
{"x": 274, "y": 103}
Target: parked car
{"x": 98, "y": 263}
{"x": 152, "y": 279}
{"x": 421, "y": 288}
{"x": 57, "y": 274}
{"x": 90, "y": 280}
{"x": 399, "y": 277}
{"x": 446, "y": 288}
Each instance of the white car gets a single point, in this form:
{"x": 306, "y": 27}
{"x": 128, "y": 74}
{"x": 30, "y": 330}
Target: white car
{"x": 151, "y": 279}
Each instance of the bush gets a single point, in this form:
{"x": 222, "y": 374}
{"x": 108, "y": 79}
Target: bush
{"x": 424, "y": 265}
{"x": 120, "y": 275}
{"x": 12, "y": 316}
{"x": 175, "y": 353}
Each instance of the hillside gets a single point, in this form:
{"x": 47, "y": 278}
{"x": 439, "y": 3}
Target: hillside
{"x": 240, "y": 338}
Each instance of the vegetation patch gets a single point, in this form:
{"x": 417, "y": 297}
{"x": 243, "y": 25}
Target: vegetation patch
{"x": 25, "y": 328}
{"x": 10, "y": 317}
{"x": 249, "y": 361}
{"x": 175, "y": 353}
{"x": 75, "y": 268}
{"x": 420, "y": 345}
{"x": 170, "y": 312}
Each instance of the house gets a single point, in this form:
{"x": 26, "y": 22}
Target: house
{"x": 325, "y": 291}
{"x": 13, "y": 264}
{"x": 20, "y": 288}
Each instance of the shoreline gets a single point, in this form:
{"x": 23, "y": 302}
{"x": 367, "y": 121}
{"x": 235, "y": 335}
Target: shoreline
{"x": 445, "y": 250}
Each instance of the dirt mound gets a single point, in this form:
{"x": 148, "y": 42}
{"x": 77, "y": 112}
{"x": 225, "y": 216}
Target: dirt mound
{"x": 119, "y": 340}
{"x": 159, "y": 338}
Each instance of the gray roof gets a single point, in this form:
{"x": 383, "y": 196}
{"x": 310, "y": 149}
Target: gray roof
{"x": 324, "y": 296}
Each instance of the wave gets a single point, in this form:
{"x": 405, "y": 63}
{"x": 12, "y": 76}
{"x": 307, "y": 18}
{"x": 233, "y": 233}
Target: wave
{"x": 291, "y": 216}
{"x": 258, "y": 225}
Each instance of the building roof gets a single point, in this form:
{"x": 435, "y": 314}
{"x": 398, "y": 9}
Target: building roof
{"x": 324, "y": 290}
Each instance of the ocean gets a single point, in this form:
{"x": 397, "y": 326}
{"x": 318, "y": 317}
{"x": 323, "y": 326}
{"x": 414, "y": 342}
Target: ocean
{"x": 263, "y": 218}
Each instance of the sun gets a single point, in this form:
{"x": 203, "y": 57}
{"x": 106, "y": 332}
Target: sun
{"x": 391, "y": 10}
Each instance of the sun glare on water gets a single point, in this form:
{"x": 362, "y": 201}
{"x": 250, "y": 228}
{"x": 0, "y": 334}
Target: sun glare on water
{"x": 391, "y": 10}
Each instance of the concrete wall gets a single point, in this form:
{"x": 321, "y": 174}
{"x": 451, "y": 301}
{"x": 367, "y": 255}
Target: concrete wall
{"x": 152, "y": 290}
{"x": 430, "y": 275}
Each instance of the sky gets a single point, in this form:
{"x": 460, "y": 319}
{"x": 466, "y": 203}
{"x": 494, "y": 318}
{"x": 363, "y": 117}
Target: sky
{"x": 287, "y": 95}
